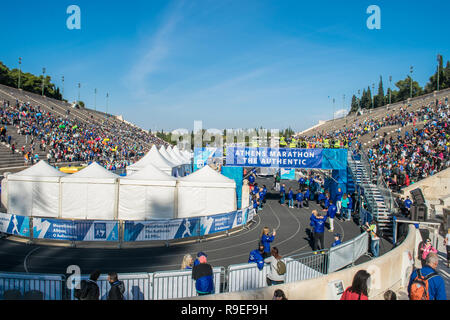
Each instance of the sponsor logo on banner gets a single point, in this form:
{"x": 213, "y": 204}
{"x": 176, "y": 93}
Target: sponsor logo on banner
{"x": 14, "y": 224}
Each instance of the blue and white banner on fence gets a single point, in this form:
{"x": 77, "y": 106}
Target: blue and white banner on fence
{"x": 54, "y": 229}
{"x": 223, "y": 222}
{"x": 161, "y": 229}
{"x": 274, "y": 157}
{"x": 14, "y": 224}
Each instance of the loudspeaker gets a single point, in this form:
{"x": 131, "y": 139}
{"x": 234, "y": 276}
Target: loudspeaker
{"x": 419, "y": 213}
{"x": 417, "y": 196}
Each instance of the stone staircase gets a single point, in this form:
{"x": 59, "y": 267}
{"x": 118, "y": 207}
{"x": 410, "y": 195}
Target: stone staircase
{"x": 363, "y": 178}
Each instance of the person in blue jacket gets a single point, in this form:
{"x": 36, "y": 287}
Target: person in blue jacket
{"x": 436, "y": 285}
{"x": 337, "y": 240}
{"x": 321, "y": 197}
{"x": 408, "y": 204}
{"x": 301, "y": 182}
{"x": 255, "y": 189}
{"x": 261, "y": 198}
{"x": 326, "y": 202}
{"x": 331, "y": 213}
{"x": 318, "y": 221}
{"x": 251, "y": 179}
{"x": 306, "y": 196}
{"x": 203, "y": 275}
{"x": 299, "y": 198}
{"x": 257, "y": 256}
{"x": 265, "y": 193}
{"x": 266, "y": 240}
{"x": 282, "y": 194}
{"x": 291, "y": 198}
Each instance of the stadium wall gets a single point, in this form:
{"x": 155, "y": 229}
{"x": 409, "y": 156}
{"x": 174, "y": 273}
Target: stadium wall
{"x": 389, "y": 272}
{"x": 433, "y": 188}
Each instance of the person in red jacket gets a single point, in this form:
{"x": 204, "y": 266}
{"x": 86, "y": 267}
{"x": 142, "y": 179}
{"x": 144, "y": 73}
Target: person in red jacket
{"x": 359, "y": 288}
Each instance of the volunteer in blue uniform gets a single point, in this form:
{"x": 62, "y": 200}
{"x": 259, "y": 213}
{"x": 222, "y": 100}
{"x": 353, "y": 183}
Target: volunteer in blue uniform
{"x": 257, "y": 256}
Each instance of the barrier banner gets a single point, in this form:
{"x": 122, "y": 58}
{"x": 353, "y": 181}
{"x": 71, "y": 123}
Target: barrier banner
{"x": 67, "y": 230}
{"x": 152, "y": 230}
{"x": 14, "y": 224}
{"x": 97, "y": 230}
{"x": 222, "y": 222}
{"x": 53, "y": 229}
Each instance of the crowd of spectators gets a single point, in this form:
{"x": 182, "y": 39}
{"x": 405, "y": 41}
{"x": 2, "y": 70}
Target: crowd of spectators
{"x": 418, "y": 152}
{"x": 421, "y": 148}
{"x": 112, "y": 143}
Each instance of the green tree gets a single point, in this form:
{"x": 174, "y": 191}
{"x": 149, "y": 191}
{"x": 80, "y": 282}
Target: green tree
{"x": 404, "y": 89}
{"x": 379, "y": 98}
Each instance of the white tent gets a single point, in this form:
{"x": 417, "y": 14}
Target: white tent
{"x": 178, "y": 153}
{"x": 35, "y": 191}
{"x": 186, "y": 167}
{"x": 156, "y": 159}
{"x": 147, "y": 194}
{"x": 204, "y": 193}
{"x": 90, "y": 194}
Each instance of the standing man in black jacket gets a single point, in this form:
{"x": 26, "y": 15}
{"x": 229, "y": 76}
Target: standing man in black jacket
{"x": 117, "y": 287}
{"x": 89, "y": 289}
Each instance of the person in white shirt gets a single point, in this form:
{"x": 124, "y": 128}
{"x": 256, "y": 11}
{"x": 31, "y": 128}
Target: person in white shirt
{"x": 273, "y": 277}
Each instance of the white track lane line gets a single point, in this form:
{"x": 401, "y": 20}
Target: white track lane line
{"x": 26, "y": 258}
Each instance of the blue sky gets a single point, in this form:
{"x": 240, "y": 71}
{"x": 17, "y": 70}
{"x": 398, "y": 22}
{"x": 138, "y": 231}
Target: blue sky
{"x": 231, "y": 64}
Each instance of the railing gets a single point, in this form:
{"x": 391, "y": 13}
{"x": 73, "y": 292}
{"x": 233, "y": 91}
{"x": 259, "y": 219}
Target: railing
{"x": 17, "y": 286}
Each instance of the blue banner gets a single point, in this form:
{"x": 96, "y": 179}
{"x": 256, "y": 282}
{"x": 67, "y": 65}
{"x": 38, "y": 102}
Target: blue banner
{"x": 14, "y": 224}
{"x": 274, "y": 157}
{"x": 54, "y": 229}
{"x": 287, "y": 158}
{"x": 162, "y": 230}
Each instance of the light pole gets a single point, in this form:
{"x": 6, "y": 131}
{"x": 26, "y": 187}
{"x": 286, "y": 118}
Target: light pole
{"x": 20, "y": 71}
{"x": 95, "y": 99}
{"x": 79, "y": 86}
{"x": 63, "y": 87}
{"x": 43, "y": 80}
{"x": 359, "y": 102}
{"x": 107, "y": 98}
{"x": 438, "y": 69}
{"x": 373, "y": 91}
{"x": 390, "y": 89}
{"x": 411, "y": 70}
{"x": 343, "y": 102}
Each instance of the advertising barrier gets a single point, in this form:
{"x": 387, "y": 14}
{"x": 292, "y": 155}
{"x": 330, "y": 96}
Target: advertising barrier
{"x": 164, "y": 230}
{"x": 161, "y": 230}
{"x": 149, "y": 230}
{"x": 14, "y": 224}
{"x": 54, "y": 229}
